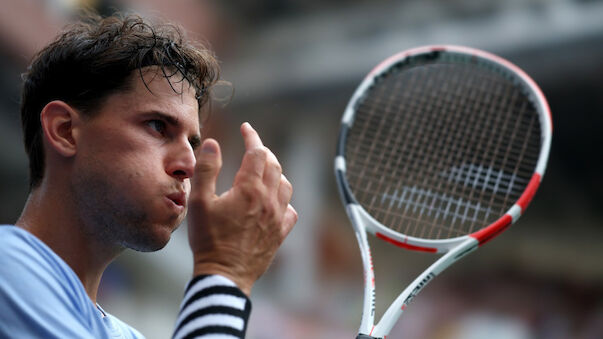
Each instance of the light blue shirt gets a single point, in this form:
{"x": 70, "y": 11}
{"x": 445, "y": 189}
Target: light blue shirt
{"x": 41, "y": 296}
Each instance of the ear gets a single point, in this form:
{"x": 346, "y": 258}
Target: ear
{"x": 58, "y": 121}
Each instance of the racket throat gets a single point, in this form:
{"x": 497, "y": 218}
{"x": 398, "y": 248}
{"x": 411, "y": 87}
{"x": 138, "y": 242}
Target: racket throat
{"x": 418, "y": 287}
{"x": 393, "y": 313}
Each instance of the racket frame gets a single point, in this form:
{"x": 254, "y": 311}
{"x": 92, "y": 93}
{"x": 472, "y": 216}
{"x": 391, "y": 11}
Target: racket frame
{"x": 452, "y": 249}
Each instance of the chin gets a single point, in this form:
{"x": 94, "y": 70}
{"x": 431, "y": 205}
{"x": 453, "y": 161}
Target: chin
{"x": 147, "y": 246}
{"x": 155, "y": 239}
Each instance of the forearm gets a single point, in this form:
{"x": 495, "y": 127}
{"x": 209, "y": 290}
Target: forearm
{"x": 212, "y": 304}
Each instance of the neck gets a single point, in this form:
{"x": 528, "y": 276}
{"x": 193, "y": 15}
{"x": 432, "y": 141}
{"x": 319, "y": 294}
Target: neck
{"x": 48, "y": 215}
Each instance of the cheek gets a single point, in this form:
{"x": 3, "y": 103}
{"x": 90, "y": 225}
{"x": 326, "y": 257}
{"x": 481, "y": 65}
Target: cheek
{"x": 141, "y": 177}
{"x": 128, "y": 159}
{"x": 134, "y": 158}
{"x": 128, "y": 173}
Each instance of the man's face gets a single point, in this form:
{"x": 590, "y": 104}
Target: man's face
{"x": 135, "y": 157}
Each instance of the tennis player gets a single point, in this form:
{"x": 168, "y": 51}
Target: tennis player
{"x": 110, "y": 114}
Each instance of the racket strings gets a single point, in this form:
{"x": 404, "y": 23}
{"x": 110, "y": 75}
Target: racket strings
{"x": 426, "y": 104}
{"x": 490, "y": 106}
{"x": 440, "y": 151}
{"x": 431, "y": 164}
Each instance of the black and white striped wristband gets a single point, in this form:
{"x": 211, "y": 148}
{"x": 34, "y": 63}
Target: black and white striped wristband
{"x": 213, "y": 307}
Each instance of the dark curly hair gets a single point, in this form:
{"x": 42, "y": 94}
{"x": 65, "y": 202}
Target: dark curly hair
{"x": 94, "y": 58}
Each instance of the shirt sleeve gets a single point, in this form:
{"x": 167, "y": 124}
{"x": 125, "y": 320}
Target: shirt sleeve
{"x": 213, "y": 307}
{"x": 39, "y": 297}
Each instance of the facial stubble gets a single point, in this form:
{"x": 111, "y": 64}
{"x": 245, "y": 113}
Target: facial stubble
{"x": 112, "y": 217}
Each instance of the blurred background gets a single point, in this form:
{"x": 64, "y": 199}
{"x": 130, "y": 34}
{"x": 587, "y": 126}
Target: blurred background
{"x": 293, "y": 64}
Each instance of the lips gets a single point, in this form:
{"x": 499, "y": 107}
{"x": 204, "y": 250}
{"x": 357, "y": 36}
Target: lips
{"x": 178, "y": 198}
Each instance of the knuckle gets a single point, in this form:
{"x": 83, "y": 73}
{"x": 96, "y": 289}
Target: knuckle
{"x": 285, "y": 192}
{"x": 269, "y": 212}
{"x": 267, "y": 151}
{"x": 272, "y": 158}
{"x": 293, "y": 213}
{"x": 286, "y": 184}
{"x": 277, "y": 166}
{"x": 252, "y": 192}
{"x": 260, "y": 153}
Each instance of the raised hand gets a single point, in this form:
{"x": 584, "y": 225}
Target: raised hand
{"x": 237, "y": 233}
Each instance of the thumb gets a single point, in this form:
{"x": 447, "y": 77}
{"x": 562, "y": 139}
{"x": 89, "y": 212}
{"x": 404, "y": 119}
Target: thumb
{"x": 209, "y": 163}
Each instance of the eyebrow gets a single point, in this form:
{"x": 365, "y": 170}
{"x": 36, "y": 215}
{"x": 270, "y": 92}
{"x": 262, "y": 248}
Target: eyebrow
{"x": 194, "y": 140}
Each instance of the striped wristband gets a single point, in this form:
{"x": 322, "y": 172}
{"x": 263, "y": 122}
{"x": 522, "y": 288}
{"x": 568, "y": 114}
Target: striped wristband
{"x": 213, "y": 307}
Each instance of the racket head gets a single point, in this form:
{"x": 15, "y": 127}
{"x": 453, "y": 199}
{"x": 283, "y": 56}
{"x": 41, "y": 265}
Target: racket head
{"x": 441, "y": 143}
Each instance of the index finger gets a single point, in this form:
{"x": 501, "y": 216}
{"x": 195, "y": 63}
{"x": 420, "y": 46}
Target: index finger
{"x": 251, "y": 137}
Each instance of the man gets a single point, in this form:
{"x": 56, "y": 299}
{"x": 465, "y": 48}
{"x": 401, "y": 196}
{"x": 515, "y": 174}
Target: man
{"x": 110, "y": 114}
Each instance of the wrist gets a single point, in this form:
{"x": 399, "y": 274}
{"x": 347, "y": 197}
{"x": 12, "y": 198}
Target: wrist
{"x": 210, "y": 268}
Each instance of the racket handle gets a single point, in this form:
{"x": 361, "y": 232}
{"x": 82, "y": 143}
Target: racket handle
{"x": 364, "y": 336}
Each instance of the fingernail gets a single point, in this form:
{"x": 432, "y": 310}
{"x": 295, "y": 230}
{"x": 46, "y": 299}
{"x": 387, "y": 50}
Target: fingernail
{"x": 209, "y": 147}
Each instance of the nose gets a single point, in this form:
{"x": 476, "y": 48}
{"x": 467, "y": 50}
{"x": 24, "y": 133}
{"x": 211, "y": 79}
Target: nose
{"x": 181, "y": 161}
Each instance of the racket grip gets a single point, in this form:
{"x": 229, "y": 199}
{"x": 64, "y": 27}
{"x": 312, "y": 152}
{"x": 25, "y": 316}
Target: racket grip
{"x": 364, "y": 336}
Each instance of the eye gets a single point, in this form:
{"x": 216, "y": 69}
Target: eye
{"x": 158, "y": 125}
{"x": 195, "y": 142}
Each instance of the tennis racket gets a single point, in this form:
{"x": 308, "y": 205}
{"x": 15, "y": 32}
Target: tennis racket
{"x": 441, "y": 148}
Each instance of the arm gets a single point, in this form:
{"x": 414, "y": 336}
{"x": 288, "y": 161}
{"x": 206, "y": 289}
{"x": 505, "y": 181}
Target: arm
{"x": 233, "y": 236}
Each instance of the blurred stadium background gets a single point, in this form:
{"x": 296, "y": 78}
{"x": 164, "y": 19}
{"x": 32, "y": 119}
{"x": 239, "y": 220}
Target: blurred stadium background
{"x": 293, "y": 65}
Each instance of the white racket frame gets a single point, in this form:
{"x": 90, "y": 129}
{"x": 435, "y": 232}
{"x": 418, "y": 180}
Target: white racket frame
{"x": 453, "y": 248}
